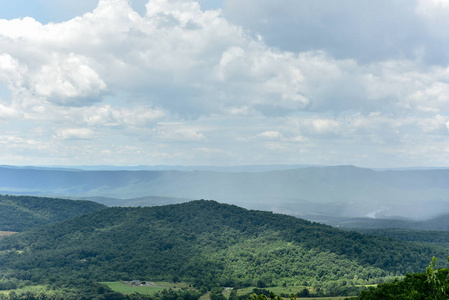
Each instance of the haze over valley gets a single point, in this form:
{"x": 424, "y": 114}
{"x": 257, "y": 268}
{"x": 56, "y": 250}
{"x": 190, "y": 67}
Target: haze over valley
{"x": 310, "y": 192}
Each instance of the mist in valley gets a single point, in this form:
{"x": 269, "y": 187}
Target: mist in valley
{"x": 315, "y": 193}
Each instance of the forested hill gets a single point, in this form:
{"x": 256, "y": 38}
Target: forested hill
{"x": 19, "y": 213}
{"x": 205, "y": 243}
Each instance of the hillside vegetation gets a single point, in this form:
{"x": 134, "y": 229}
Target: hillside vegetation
{"x": 433, "y": 284}
{"x": 429, "y": 285}
{"x": 19, "y": 213}
{"x": 206, "y": 244}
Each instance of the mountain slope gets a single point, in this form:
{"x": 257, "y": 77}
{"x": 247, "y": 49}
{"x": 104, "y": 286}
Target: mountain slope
{"x": 205, "y": 243}
{"x": 19, "y": 213}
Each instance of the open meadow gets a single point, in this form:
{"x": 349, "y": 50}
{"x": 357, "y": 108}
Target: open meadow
{"x": 147, "y": 288}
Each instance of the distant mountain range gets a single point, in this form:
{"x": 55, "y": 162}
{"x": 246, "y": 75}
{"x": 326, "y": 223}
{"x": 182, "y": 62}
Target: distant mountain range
{"x": 341, "y": 191}
{"x": 244, "y": 168}
{"x": 438, "y": 223}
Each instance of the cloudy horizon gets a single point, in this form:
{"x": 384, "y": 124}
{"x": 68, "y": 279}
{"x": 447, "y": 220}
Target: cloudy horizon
{"x": 178, "y": 82}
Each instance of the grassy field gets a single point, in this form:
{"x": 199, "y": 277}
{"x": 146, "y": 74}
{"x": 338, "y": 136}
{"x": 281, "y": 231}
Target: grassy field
{"x": 277, "y": 290}
{"x": 7, "y": 233}
{"x": 324, "y": 298}
{"x": 207, "y": 296}
{"x": 124, "y": 288}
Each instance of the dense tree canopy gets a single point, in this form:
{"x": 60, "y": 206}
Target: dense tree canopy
{"x": 20, "y": 213}
{"x": 207, "y": 244}
{"x": 433, "y": 284}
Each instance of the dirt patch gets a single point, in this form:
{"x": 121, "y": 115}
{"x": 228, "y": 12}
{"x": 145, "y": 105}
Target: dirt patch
{"x": 7, "y": 233}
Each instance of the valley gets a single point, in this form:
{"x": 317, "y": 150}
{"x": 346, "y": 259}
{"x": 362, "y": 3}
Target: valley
{"x": 97, "y": 241}
{"x": 206, "y": 245}
{"x": 321, "y": 193}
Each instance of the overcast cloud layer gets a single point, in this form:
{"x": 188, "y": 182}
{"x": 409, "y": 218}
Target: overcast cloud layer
{"x": 270, "y": 82}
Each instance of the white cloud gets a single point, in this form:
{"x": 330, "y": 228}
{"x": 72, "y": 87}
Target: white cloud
{"x": 300, "y": 78}
{"x": 7, "y": 112}
{"x": 68, "y": 81}
{"x": 75, "y": 134}
{"x": 269, "y": 135}
{"x": 14, "y": 148}
{"x": 11, "y": 72}
{"x": 433, "y": 98}
{"x": 231, "y": 62}
{"x": 10, "y": 139}
{"x": 434, "y": 125}
{"x": 191, "y": 63}
{"x": 276, "y": 146}
{"x": 433, "y": 8}
{"x": 178, "y": 132}
{"x": 318, "y": 126}
{"x": 106, "y": 115}
{"x": 299, "y": 139}
{"x": 238, "y": 110}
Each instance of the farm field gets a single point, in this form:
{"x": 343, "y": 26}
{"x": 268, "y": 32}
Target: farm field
{"x": 151, "y": 289}
{"x": 277, "y": 290}
{"x": 324, "y": 298}
{"x": 7, "y": 233}
{"x": 207, "y": 296}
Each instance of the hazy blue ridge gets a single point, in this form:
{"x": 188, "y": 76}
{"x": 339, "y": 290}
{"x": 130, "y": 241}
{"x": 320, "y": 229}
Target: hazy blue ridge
{"x": 342, "y": 191}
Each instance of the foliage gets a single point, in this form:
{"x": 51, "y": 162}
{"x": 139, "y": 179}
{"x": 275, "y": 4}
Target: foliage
{"x": 438, "y": 280}
{"x": 207, "y": 244}
{"x": 412, "y": 235}
{"x": 19, "y": 213}
{"x": 126, "y": 288}
{"x": 93, "y": 291}
{"x": 432, "y": 284}
{"x": 268, "y": 295}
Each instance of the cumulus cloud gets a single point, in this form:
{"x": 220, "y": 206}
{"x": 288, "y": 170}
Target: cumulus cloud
{"x": 11, "y": 72}
{"x": 68, "y": 81}
{"x": 193, "y": 63}
{"x": 287, "y": 76}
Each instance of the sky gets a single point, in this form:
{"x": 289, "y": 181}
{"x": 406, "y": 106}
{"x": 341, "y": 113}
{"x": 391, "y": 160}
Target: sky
{"x": 224, "y": 82}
